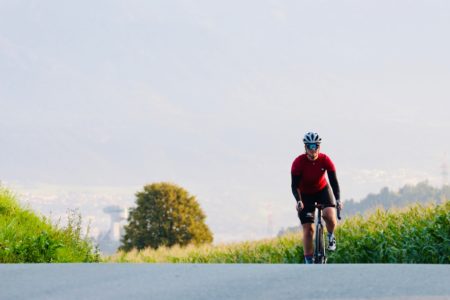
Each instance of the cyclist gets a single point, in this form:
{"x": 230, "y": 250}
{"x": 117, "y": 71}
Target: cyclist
{"x": 310, "y": 186}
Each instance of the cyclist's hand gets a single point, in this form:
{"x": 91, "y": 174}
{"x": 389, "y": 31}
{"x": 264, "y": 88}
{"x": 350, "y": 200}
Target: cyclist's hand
{"x": 339, "y": 205}
{"x": 300, "y": 206}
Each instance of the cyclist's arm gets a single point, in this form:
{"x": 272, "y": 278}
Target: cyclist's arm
{"x": 334, "y": 184}
{"x": 294, "y": 186}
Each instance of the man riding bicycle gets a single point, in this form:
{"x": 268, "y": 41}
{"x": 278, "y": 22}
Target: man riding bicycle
{"x": 309, "y": 186}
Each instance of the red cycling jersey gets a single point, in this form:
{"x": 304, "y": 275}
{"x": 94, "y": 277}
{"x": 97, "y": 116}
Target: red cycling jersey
{"x": 312, "y": 172}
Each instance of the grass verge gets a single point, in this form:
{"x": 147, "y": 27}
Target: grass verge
{"x": 28, "y": 238}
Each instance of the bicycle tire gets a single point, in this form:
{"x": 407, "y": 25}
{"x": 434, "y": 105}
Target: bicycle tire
{"x": 319, "y": 249}
{"x": 322, "y": 246}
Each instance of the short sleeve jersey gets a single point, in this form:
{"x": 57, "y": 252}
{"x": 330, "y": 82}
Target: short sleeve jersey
{"x": 312, "y": 173}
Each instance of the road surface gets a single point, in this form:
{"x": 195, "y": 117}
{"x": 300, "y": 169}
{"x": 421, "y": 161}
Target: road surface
{"x": 223, "y": 281}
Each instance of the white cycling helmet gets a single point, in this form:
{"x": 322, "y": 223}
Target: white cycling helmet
{"x": 312, "y": 138}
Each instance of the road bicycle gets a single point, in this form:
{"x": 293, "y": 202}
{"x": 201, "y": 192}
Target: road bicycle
{"x": 320, "y": 255}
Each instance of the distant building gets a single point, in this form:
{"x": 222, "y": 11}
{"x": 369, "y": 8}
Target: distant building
{"x": 109, "y": 241}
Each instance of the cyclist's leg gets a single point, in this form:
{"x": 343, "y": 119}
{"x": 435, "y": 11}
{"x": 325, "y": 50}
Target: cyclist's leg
{"x": 306, "y": 217}
{"x": 308, "y": 239}
{"x": 329, "y": 215}
{"x": 329, "y": 211}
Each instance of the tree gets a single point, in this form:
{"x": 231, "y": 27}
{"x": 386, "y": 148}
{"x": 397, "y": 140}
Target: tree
{"x": 165, "y": 215}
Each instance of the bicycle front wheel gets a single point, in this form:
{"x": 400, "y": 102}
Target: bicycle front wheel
{"x": 319, "y": 249}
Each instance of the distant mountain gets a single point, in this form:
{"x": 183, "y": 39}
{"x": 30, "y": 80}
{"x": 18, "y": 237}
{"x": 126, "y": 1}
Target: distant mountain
{"x": 408, "y": 194}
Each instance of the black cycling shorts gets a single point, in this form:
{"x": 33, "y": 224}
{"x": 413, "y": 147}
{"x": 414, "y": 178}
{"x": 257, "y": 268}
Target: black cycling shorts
{"x": 325, "y": 197}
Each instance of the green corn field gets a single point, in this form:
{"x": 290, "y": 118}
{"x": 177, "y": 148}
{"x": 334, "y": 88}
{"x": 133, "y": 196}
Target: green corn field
{"x": 417, "y": 234}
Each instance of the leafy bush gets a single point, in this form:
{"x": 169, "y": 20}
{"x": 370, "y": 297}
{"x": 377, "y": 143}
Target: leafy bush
{"x": 27, "y": 238}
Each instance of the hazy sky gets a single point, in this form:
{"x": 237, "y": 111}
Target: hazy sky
{"x": 102, "y": 97}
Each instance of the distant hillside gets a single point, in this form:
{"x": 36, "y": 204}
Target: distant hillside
{"x": 28, "y": 238}
{"x": 419, "y": 193}
{"x": 408, "y": 194}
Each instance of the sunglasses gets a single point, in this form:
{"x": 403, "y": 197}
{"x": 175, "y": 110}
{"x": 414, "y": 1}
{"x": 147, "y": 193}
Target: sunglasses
{"x": 312, "y": 146}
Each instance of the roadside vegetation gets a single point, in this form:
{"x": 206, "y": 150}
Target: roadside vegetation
{"x": 28, "y": 238}
{"x": 417, "y": 234}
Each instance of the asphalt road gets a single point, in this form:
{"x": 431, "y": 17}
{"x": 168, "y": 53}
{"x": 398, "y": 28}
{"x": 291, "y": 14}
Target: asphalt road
{"x": 223, "y": 281}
